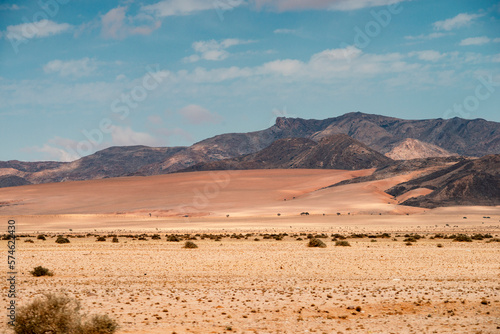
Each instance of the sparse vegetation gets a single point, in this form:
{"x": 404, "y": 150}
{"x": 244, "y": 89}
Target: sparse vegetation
{"x": 462, "y": 238}
{"x": 29, "y": 241}
{"x": 342, "y": 243}
{"x": 99, "y": 324}
{"x": 173, "y": 238}
{"x": 41, "y": 271}
{"x": 316, "y": 243}
{"x": 41, "y": 237}
{"x": 493, "y": 240}
{"x": 62, "y": 240}
{"x": 101, "y": 238}
{"x": 54, "y": 313}
{"x": 115, "y": 239}
{"x": 190, "y": 244}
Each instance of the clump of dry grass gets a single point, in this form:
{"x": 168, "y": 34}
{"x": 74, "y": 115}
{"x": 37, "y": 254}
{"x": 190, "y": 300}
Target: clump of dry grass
{"x": 342, "y": 243}
{"x": 54, "y": 313}
{"x": 41, "y": 271}
{"x": 190, "y": 244}
{"x": 314, "y": 242}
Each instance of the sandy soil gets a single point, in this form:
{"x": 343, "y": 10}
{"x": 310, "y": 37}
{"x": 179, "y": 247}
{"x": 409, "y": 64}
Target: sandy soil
{"x": 271, "y": 286}
{"x": 265, "y": 286}
{"x": 237, "y": 193}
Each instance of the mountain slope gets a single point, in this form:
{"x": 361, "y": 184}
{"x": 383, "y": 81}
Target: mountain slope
{"x": 110, "y": 162}
{"x": 415, "y": 149}
{"x": 464, "y": 137}
{"x": 475, "y": 182}
{"x": 333, "y": 152}
{"x": 383, "y": 134}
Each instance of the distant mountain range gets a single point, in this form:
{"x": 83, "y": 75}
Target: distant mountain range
{"x": 350, "y": 141}
{"x": 333, "y": 152}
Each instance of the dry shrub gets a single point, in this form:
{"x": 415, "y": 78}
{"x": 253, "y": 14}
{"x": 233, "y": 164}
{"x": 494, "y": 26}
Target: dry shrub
{"x": 190, "y": 244}
{"x": 40, "y": 271}
{"x": 60, "y": 314}
{"x": 316, "y": 243}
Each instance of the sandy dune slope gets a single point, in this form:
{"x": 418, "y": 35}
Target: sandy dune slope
{"x": 237, "y": 193}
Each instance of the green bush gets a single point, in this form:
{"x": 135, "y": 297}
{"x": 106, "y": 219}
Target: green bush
{"x": 190, "y": 244}
{"x": 342, "y": 243}
{"x": 40, "y": 271}
{"x": 316, "y": 243}
{"x": 59, "y": 314}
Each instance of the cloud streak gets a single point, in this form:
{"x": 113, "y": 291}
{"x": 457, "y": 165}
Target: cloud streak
{"x": 337, "y": 5}
{"x": 213, "y": 50}
{"x": 178, "y": 7}
{"x": 475, "y": 41}
{"x": 39, "y": 29}
{"x": 76, "y": 68}
{"x": 459, "y": 21}
{"x": 115, "y": 24}
{"x": 195, "y": 114}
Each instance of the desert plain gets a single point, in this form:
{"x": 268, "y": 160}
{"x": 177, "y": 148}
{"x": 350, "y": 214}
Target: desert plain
{"x": 253, "y": 271}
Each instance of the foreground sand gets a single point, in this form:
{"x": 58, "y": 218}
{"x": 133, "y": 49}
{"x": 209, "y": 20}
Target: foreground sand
{"x": 270, "y": 286}
{"x": 265, "y": 286}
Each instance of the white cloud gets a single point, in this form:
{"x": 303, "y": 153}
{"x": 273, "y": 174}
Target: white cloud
{"x": 284, "y": 67}
{"x": 342, "y": 5}
{"x": 117, "y": 25}
{"x": 201, "y": 74}
{"x": 11, "y": 7}
{"x": 430, "y": 36}
{"x": 285, "y": 31}
{"x": 64, "y": 149}
{"x": 496, "y": 40}
{"x": 213, "y": 50}
{"x": 359, "y": 4}
{"x": 475, "y": 41}
{"x": 55, "y": 153}
{"x": 458, "y": 21}
{"x": 39, "y": 29}
{"x": 180, "y": 7}
{"x": 195, "y": 114}
{"x": 77, "y": 68}
{"x": 125, "y": 136}
{"x": 334, "y": 64}
{"x": 428, "y": 55}
{"x": 177, "y": 132}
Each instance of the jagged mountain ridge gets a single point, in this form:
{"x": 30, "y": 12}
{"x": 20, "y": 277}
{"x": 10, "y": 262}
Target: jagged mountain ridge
{"x": 457, "y": 136}
{"x": 333, "y": 152}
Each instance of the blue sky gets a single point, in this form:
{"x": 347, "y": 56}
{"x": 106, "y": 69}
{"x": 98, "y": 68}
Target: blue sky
{"x": 78, "y": 76}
